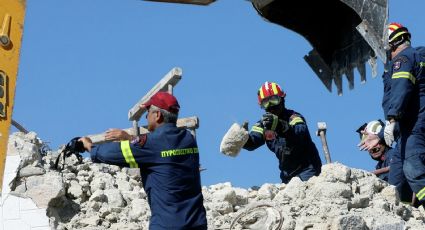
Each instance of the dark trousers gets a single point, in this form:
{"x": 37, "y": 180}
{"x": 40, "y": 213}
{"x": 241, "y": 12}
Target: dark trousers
{"x": 396, "y": 175}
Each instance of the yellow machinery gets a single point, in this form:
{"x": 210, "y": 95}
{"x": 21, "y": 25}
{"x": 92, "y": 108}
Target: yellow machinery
{"x": 12, "y": 13}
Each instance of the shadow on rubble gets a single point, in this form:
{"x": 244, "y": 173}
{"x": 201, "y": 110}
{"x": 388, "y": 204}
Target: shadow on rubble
{"x": 62, "y": 209}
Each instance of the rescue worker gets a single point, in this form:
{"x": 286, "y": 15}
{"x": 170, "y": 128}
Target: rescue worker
{"x": 286, "y": 134}
{"x": 381, "y": 152}
{"x": 404, "y": 97}
{"x": 168, "y": 159}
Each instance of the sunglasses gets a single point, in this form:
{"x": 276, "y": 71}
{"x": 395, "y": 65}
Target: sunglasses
{"x": 270, "y": 101}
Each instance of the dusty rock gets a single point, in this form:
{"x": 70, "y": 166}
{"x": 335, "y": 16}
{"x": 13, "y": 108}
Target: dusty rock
{"x": 267, "y": 191}
{"x": 75, "y": 189}
{"x": 114, "y": 198}
{"x": 31, "y": 171}
{"x": 138, "y": 208}
{"x": 225, "y": 194}
{"x": 43, "y": 189}
{"x": 234, "y": 140}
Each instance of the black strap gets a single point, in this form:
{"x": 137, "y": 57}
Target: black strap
{"x": 74, "y": 147}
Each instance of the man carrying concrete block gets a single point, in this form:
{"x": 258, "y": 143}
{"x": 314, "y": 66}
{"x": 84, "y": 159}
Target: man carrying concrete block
{"x": 286, "y": 134}
{"x": 168, "y": 159}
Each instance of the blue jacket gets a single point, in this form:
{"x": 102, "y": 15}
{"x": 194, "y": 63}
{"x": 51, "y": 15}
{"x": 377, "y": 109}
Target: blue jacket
{"x": 294, "y": 149}
{"x": 169, "y": 165}
{"x": 383, "y": 163}
{"x": 386, "y": 79}
{"x": 407, "y": 97}
{"x": 386, "y": 101}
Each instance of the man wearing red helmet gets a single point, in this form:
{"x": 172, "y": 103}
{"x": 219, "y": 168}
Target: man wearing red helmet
{"x": 404, "y": 108}
{"x": 168, "y": 159}
{"x": 286, "y": 134}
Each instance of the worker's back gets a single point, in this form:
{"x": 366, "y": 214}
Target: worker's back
{"x": 169, "y": 165}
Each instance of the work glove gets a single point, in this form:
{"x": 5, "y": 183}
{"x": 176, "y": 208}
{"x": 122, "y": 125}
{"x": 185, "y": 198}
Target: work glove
{"x": 273, "y": 123}
{"x": 389, "y": 132}
{"x": 245, "y": 125}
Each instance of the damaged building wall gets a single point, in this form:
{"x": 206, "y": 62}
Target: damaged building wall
{"x": 18, "y": 212}
{"x": 99, "y": 196}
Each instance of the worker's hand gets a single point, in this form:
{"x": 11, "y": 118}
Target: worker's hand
{"x": 389, "y": 132}
{"x": 117, "y": 135}
{"x": 370, "y": 142}
{"x": 87, "y": 143}
{"x": 273, "y": 123}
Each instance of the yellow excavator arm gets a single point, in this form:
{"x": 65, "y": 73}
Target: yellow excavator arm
{"x": 12, "y": 14}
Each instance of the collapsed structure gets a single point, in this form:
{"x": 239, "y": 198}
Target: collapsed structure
{"x": 99, "y": 196}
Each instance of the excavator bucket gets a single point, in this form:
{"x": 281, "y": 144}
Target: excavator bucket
{"x": 344, "y": 34}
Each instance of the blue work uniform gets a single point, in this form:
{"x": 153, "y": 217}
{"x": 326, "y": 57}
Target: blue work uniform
{"x": 297, "y": 154}
{"x": 383, "y": 163}
{"x": 396, "y": 175}
{"x": 407, "y": 106}
{"x": 168, "y": 159}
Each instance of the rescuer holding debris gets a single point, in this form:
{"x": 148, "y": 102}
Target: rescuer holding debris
{"x": 286, "y": 134}
{"x": 168, "y": 159}
{"x": 404, "y": 107}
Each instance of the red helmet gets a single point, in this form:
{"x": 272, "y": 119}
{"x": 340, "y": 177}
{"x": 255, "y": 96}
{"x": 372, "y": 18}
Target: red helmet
{"x": 269, "y": 89}
{"x": 397, "y": 34}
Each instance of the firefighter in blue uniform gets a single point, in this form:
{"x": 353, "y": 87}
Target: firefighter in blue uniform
{"x": 168, "y": 159}
{"x": 396, "y": 174}
{"x": 286, "y": 134}
{"x": 406, "y": 107}
{"x": 381, "y": 152}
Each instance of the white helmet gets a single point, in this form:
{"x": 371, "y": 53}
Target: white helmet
{"x": 374, "y": 127}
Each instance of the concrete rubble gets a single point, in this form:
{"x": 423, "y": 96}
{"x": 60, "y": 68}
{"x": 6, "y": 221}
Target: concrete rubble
{"x": 234, "y": 139}
{"x": 99, "y": 196}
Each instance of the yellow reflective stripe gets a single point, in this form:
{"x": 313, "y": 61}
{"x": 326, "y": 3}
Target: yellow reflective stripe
{"x": 406, "y": 75}
{"x": 128, "y": 155}
{"x": 261, "y": 93}
{"x": 296, "y": 120}
{"x": 257, "y": 129}
{"x": 398, "y": 34}
{"x": 421, "y": 194}
{"x": 274, "y": 124}
{"x": 274, "y": 88}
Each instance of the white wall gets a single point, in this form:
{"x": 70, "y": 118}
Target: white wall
{"x": 18, "y": 213}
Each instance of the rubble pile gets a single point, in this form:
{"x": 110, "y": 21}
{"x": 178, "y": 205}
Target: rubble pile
{"x": 99, "y": 196}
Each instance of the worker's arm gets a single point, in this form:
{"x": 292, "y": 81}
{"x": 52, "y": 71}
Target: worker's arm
{"x": 125, "y": 153}
{"x": 108, "y": 153}
{"x": 298, "y": 132}
{"x": 402, "y": 86}
{"x": 381, "y": 170}
{"x": 256, "y": 137}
